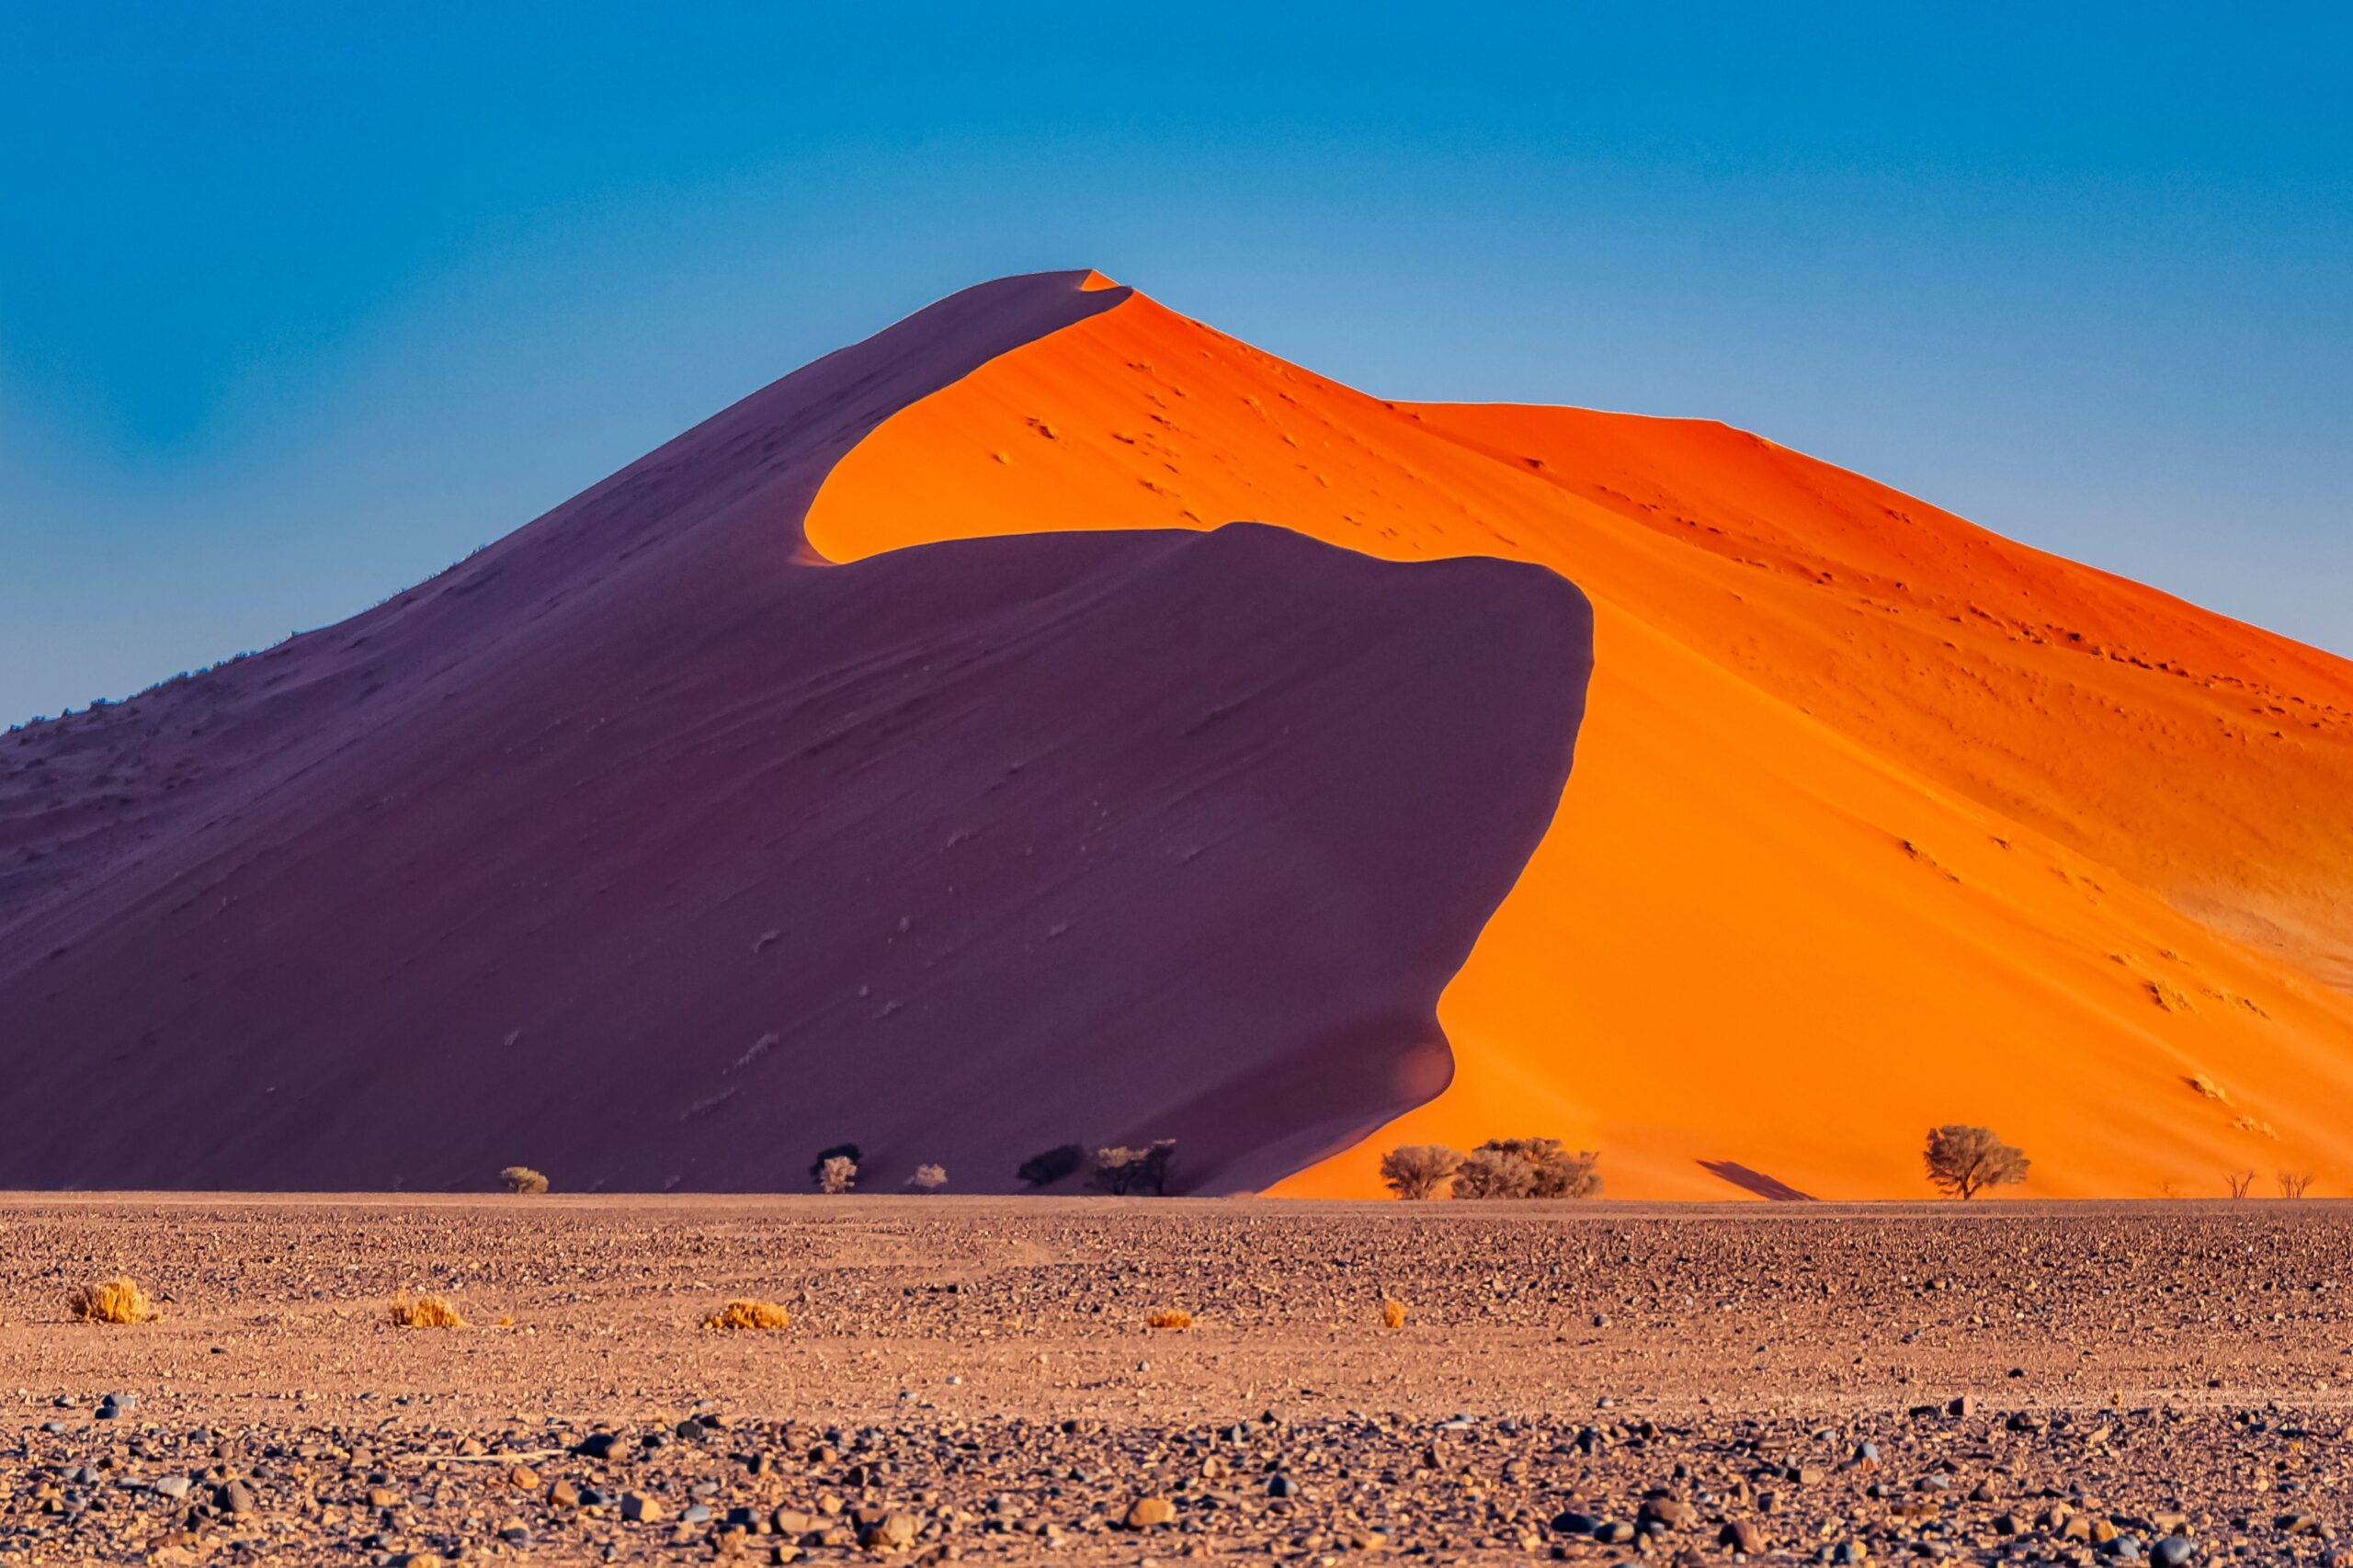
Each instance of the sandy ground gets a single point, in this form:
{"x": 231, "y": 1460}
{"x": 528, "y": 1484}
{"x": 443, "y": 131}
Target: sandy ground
{"x": 975, "y": 1375}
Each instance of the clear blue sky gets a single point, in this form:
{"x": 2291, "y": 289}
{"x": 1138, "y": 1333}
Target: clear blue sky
{"x": 300, "y": 303}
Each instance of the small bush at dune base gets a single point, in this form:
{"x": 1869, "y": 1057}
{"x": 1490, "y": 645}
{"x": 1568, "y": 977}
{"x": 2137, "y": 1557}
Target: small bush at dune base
{"x": 1552, "y": 1170}
{"x": 1490, "y": 1173}
{"x": 523, "y": 1179}
{"x": 1965, "y": 1161}
{"x": 1121, "y": 1171}
{"x": 749, "y": 1312}
{"x": 1169, "y": 1317}
{"x": 838, "y": 1175}
{"x": 118, "y": 1299}
{"x": 425, "y": 1312}
{"x": 928, "y": 1178}
{"x": 849, "y": 1152}
{"x": 1418, "y": 1170}
{"x": 1393, "y": 1314}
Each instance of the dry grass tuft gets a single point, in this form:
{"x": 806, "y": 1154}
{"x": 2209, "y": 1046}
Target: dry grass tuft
{"x": 118, "y": 1299}
{"x": 1392, "y": 1312}
{"x": 1169, "y": 1317}
{"x": 748, "y": 1311}
{"x": 425, "y": 1312}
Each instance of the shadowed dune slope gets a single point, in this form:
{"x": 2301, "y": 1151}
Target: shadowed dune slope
{"x": 650, "y": 849}
{"x": 1879, "y": 820}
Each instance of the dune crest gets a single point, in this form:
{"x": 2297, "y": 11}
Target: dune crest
{"x": 1879, "y": 820}
{"x": 649, "y": 848}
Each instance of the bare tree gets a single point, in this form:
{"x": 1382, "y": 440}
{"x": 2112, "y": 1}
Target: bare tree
{"x": 2240, "y": 1183}
{"x": 2294, "y": 1183}
{"x": 1965, "y": 1161}
{"x": 1418, "y": 1170}
{"x": 838, "y": 1175}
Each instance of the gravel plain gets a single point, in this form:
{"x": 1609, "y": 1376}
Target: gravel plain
{"x": 2003, "y": 1381}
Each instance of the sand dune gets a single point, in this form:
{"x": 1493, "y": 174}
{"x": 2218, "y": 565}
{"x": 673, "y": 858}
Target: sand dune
{"x": 649, "y": 849}
{"x": 1879, "y": 820}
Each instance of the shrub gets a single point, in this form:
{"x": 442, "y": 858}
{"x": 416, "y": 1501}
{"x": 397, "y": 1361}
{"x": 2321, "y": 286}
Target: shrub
{"x": 749, "y": 1312}
{"x": 425, "y": 1312}
{"x": 1418, "y": 1170}
{"x": 849, "y": 1152}
{"x": 1119, "y": 1171}
{"x": 1553, "y": 1172}
{"x": 1044, "y": 1170}
{"x": 523, "y": 1179}
{"x": 1489, "y": 1173}
{"x": 928, "y": 1178}
{"x": 1112, "y": 1171}
{"x": 118, "y": 1299}
{"x": 1965, "y": 1161}
{"x": 1392, "y": 1312}
{"x": 838, "y": 1175}
{"x": 1169, "y": 1318}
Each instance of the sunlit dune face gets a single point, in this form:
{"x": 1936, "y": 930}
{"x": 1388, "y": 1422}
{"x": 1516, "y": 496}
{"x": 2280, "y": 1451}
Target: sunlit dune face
{"x": 1877, "y": 821}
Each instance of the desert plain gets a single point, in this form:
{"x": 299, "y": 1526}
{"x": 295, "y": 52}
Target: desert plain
{"x": 975, "y": 1379}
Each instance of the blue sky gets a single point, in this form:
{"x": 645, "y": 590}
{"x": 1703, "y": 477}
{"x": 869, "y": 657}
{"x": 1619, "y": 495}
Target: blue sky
{"x": 300, "y": 303}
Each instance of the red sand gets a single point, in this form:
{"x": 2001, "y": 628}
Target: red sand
{"x": 649, "y": 849}
{"x": 1879, "y": 820}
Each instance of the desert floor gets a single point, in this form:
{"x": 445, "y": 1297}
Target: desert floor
{"x": 973, "y": 1378}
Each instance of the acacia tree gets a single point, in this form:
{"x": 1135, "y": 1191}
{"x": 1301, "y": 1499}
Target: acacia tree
{"x": 1552, "y": 1170}
{"x": 1418, "y": 1170}
{"x": 1965, "y": 1161}
{"x": 1493, "y": 1173}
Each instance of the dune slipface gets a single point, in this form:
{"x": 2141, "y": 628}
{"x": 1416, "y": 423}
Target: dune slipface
{"x": 1878, "y": 821}
{"x": 648, "y": 848}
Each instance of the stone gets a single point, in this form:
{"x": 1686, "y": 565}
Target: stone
{"x": 1668, "y": 1512}
{"x": 2173, "y": 1551}
{"x": 642, "y": 1509}
{"x": 892, "y": 1532}
{"x": 1741, "y": 1536}
{"x": 1146, "y": 1512}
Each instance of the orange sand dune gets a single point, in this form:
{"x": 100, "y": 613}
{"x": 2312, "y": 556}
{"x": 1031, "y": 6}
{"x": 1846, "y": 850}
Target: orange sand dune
{"x": 1878, "y": 819}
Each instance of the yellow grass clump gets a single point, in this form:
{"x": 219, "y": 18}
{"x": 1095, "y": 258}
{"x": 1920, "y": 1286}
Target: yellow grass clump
{"x": 749, "y": 1312}
{"x": 1169, "y": 1317}
{"x": 118, "y": 1299}
{"x": 1392, "y": 1312}
{"x": 425, "y": 1312}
